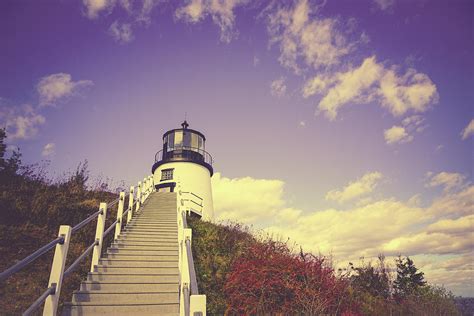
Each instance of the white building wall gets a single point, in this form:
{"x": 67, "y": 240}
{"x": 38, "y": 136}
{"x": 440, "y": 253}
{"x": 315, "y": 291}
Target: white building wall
{"x": 193, "y": 178}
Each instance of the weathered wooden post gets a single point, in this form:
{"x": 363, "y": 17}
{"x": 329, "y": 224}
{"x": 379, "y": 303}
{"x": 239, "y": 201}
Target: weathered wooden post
{"x": 118, "y": 225}
{"x": 57, "y": 271}
{"x": 130, "y": 205}
{"x": 99, "y": 235}
{"x": 139, "y": 195}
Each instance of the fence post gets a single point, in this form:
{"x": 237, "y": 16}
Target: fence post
{"x": 130, "y": 205}
{"x": 99, "y": 235}
{"x": 139, "y": 195}
{"x": 57, "y": 271}
{"x": 144, "y": 191}
{"x": 118, "y": 226}
{"x": 197, "y": 305}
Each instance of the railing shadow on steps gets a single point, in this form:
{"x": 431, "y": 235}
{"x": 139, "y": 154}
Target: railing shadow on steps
{"x": 50, "y": 297}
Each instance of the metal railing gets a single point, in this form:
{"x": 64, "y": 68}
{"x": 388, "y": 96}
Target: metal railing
{"x": 185, "y": 153}
{"x": 191, "y": 302}
{"x": 50, "y": 297}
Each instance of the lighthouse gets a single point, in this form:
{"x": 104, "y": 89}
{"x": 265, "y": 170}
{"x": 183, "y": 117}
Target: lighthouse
{"x": 183, "y": 163}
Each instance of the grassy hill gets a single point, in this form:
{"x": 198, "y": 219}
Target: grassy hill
{"x": 239, "y": 272}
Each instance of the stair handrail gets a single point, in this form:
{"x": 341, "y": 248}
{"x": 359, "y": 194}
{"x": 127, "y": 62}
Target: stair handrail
{"x": 191, "y": 302}
{"x": 50, "y": 297}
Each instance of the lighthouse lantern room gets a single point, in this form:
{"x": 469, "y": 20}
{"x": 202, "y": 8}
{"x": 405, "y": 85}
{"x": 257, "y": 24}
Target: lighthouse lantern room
{"x": 184, "y": 160}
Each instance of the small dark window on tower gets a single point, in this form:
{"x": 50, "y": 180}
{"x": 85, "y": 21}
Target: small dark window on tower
{"x": 166, "y": 174}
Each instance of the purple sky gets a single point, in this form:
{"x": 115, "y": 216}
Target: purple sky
{"x": 312, "y": 94}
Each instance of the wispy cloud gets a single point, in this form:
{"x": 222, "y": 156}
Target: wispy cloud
{"x": 56, "y": 87}
{"x": 468, "y": 130}
{"x": 405, "y": 133}
{"x": 448, "y": 180}
{"x": 95, "y": 7}
{"x": 301, "y": 34}
{"x": 48, "y": 150}
{"x": 361, "y": 187}
{"x": 372, "y": 81}
{"x": 222, "y": 13}
{"x": 384, "y": 5}
{"x": 278, "y": 87}
{"x": 122, "y": 33}
{"x": 22, "y": 122}
{"x": 397, "y": 134}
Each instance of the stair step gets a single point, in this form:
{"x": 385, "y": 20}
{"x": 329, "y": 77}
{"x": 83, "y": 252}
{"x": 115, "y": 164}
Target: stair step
{"x": 121, "y": 256}
{"x": 131, "y": 252}
{"x": 119, "y": 243}
{"x": 143, "y": 247}
{"x": 152, "y": 232}
{"x": 153, "y": 223}
{"x": 132, "y": 278}
{"x": 151, "y": 237}
{"x": 137, "y": 270}
{"x": 119, "y": 310}
{"x": 124, "y": 298}
{"x": 132, "y": 238}
{"x": 129, "y": 287}
{"x": 138, "y": 263}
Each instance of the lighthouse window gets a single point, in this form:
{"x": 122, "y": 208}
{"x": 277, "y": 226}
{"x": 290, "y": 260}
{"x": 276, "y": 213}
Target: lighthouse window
{"x": 194, "y": 141}
{"x": 166, "y": 174}
{"x": 178, "y": 139}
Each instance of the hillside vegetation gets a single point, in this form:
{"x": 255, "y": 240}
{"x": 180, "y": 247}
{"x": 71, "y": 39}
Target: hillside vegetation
{"x": 239, "y": 272}
{"x": 244, "y": 275}
{"x": 32, "y": 207}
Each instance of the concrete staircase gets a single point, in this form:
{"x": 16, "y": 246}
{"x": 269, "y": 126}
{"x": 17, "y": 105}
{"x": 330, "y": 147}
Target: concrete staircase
{"x": 139, "y": 274}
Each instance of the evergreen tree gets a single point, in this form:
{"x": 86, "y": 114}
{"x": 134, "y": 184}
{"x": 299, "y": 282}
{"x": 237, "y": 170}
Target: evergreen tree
{"x": 8, "y": 167}
{"x": 409, "y": 278}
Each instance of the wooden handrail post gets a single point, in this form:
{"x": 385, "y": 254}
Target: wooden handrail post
{"x": 57, "y": 271}
{"x": 197, "y": 304}
{"x": 118, "y": 226}
{"x": 130, "y": 204}
{"x": 139, "y": 195}
{"x": 144, "y": 191}
{"x": 99, "y": 235}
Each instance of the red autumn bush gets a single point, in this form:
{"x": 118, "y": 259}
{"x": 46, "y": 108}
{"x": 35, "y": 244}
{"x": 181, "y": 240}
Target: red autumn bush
{"x": 270, "y": 279}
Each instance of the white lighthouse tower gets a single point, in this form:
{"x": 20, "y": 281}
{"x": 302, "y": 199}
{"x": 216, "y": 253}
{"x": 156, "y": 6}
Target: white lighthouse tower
{"x": 185, "y": 161}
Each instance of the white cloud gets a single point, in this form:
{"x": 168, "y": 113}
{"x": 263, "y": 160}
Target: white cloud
{"x": 302, "y": 124}
{"x": 412, "y": 91}
{"x": 300, "y": 34}
{"x": 278, "y": 87}
{"x": 449, "y": 180}
{"x": 384, "y": 5}
{"x": 405, "y": 133}
{"x": 59, "y": 86}
{"x": 468, "y": 130}
{"x": 234, "y": 201}
{"x": 372, "y": 81}
{"x": 48, "y": 150}
{"x": 351, "y": 86}
{"x": 356, "y": 189}
{"x": 397, "y": 134}
{"x": 122, "y": 33}
{"x": 94, "y": 7}
{"x": 221, "y": 11}
{"x": 21, "y": 123}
